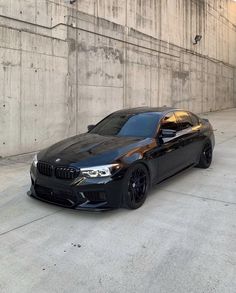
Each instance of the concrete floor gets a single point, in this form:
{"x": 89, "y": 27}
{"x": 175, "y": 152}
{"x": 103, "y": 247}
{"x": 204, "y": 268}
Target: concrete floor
{"x": 182, "y": 240}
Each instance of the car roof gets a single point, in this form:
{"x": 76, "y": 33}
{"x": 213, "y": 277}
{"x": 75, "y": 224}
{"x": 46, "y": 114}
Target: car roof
{"x": 160, "y": 110}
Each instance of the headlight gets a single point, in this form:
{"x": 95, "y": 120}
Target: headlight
{"x": 35, "y": 161}
{"x": 100, "y": 171}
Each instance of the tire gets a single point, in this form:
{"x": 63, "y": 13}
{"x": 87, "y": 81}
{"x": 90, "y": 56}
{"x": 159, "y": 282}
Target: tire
{"x": 136, "y": 185}
{"x": 206, "y": 156}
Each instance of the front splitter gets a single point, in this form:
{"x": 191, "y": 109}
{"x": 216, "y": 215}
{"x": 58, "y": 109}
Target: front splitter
{"x": 86, "y": 206}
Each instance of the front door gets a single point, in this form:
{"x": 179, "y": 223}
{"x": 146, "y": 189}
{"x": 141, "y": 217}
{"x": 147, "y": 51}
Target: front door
{"x": 169, "y": 152}
{"x": 189, "y": 137}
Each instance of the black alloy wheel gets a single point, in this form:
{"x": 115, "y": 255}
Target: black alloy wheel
{"x": 206, "y": 156}
{"x": 137, "y": 183}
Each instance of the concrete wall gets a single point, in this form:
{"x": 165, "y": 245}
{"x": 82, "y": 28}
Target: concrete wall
{"x": 63, "y": 66}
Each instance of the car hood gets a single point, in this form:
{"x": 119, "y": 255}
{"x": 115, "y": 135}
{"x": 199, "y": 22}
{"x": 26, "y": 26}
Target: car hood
{"x": 91, "y": 149}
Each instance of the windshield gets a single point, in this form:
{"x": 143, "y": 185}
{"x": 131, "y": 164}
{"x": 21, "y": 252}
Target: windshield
{"x": 136, "y": 125}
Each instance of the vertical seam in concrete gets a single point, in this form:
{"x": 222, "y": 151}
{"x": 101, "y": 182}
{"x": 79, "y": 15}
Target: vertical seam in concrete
{"x": 35, "y": 5}
{"x": 202, "y": 86}
{"x": 234, "y": 87}
{"x": 125, "y": 58}
{"x": 150, "y": 84}
{"x": 21, "y": 72}
{"x": 159, "y": 56}
{"x": 69, "y": 90}
{"x": 76, "y": 56}
{"x": 97, "y": 7}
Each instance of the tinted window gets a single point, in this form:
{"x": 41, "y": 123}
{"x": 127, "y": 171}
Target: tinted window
{"x": 137, "y": 125}
{"x": 169, "y": 122}
{"x": 194, "y": 119}
{"x": 184, "y": 120}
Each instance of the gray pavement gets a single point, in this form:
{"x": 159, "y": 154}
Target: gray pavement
{"x": 182, "y": 240}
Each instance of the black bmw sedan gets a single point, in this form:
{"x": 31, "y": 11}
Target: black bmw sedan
{"x": 116, "y": 162}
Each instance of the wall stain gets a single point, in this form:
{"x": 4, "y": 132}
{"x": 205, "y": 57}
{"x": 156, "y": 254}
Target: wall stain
{"x": 107, "y": 51}
{"x": 184, "y": 75}
{"x": 99, "y": 72}
{"x": 8, "y": 63}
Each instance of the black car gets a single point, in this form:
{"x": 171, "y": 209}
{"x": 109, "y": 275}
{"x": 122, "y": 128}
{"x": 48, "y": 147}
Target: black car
{"x": 115, "y": 163}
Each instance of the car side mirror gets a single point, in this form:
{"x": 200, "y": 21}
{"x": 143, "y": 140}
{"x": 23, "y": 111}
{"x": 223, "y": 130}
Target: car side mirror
{"x": 168, "y": 133}
{"x": 90, "y": 127}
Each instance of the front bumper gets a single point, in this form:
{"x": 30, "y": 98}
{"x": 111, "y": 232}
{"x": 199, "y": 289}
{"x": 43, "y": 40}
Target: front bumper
{"x": 88, "y": 193}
